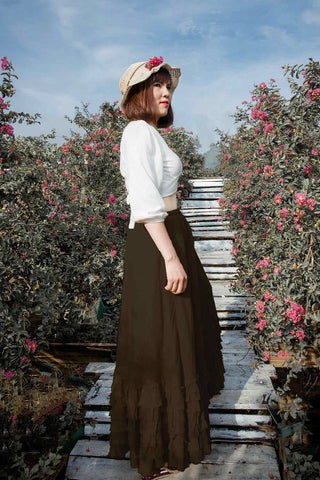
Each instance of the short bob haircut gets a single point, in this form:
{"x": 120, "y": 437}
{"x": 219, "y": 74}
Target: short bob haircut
{"x": 138, "y": 102}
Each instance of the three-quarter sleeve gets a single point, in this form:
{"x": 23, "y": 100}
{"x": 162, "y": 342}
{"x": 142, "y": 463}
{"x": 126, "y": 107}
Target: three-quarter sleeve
{"x": 141, "y": 165}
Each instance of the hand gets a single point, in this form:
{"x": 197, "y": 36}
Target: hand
{"x": 176, "y": 276}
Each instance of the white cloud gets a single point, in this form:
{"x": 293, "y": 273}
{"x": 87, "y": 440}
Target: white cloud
{"x": 277, "y": 35}
{"x": 312, "y": 15}
{"x": 65, "y": 11}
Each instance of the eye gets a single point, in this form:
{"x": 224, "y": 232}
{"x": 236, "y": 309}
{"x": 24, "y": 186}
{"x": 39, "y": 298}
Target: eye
{"x": 169, "y": 86}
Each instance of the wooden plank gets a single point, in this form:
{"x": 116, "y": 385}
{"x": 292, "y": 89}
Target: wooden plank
{"x": 239, "y": 420}
{"x": 239, "y": 400}
{"x": 213, "y": 235}
{"x": 242, "y": 435}
{"x": 221, "y": 453}
{"x": 103, "y": 430}
{"x": 216, "y": 419}
{"x": 82, "y": 468}
{"x": 195, "y": 195}
{"x": 212, "y": 245}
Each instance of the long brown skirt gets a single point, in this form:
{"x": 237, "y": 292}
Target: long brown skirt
{"x": 169, "y": 361}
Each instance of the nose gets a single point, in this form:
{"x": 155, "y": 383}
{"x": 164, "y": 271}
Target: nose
{"x": 165, "y": 91}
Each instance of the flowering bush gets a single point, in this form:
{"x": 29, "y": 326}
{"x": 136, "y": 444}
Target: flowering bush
{"x": 63, "y": 220}
{"x": 272, "y": 202}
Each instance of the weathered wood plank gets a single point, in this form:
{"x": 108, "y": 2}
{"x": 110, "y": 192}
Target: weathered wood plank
{"x": 212, "y": 245}
{"x": 216, "y": 419}
{"x": 205, "y": 195}
{"x": 86, "y": 468}
{"x": 221, "y": 453}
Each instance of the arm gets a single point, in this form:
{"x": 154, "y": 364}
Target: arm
{"x": 176, "y": 275}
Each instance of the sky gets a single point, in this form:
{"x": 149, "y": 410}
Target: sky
{"x": 66, "y": 52}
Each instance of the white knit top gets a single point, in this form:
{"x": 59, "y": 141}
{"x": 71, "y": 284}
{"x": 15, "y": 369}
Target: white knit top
{"x": 150, "y": 169}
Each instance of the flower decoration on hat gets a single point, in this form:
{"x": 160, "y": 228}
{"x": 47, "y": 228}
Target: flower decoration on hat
{"x": 154, "y": 62}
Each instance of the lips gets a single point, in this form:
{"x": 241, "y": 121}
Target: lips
{"x": 165, "y": 103}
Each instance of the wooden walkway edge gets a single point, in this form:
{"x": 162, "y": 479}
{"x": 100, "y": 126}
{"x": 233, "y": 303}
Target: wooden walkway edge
{"x": 242, "y": 433}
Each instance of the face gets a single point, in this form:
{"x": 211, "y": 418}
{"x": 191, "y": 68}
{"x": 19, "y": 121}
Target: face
{"x": 160, "y": 96}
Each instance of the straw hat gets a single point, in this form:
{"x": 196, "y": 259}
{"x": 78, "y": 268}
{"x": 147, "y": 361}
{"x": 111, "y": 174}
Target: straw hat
{"x": 141, "y": 71}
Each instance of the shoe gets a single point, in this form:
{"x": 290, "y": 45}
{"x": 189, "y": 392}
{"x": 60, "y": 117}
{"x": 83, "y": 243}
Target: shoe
{"x": 163, "y": 472}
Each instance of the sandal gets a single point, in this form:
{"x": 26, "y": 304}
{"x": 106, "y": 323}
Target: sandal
{"x": 163, "y": 471}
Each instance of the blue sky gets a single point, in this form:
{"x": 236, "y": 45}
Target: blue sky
{"x": 70, "y": 51}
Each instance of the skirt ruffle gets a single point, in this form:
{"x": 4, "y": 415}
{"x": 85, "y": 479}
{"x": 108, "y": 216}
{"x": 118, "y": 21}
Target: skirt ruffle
{"x": 169, "y": 361}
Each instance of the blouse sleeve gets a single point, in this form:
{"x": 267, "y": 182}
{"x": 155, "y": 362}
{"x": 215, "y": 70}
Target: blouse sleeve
{"x": 141, "y": 165}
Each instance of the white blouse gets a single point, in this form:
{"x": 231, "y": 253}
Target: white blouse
{"x": 150, "y": 169}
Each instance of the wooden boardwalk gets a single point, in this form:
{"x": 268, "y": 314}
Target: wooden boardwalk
{"x": 242, "y": 433}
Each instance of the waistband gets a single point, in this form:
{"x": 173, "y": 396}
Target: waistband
{"x": 172, "y": 212}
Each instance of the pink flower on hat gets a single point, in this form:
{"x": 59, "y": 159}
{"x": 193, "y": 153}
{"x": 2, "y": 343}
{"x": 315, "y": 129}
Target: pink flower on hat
{"x": 154, "y": 62}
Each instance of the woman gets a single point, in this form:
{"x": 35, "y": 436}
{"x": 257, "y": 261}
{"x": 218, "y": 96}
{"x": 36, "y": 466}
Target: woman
{"x": 169, "y": 361}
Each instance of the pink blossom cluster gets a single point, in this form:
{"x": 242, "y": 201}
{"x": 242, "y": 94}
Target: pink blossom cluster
{"x": 263, "y": 263}
{"x": 299, "y": 334}
{"x": 7, "y": 129}
{"x": 277, "y": 199}
{"x": 111, "y": 199}
{"x": 154, "y": 62}
{"x": 282, "y": 354}
{"x": 4, "y": 64}
{"x": 268, "y": 296}
{"x": 260, "y": 325}
{"x": 313, "y": 94}
{"x": 301, "y": 199}
{"x": 268, "y": 170}
{"x": 258, "y": 114}
{"x": 268, "y": 128}
{"x": 260, "y": 308}
{"x": 295, "y": 312}
{"x": 267, "y": 356}
{"x": 3, "y": 105}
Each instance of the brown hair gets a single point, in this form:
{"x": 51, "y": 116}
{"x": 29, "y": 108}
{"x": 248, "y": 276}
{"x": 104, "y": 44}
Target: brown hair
{"x": 138, "y": 102}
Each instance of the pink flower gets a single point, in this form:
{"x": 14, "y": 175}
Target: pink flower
{"x": 32, "y": 345}
{"x": 301, "y": 198}
{"x": 277, "y": 198}
{"x": 4, "y": 64}
{"x": 111, "y": 199}
{"x": 278, "y": 333}
{"x": 284, "y": 213}
{"x": 87, "y": 147}
{"x": 300, "y": 334}
{"x": 311, "y": 203}
{"x": 260, "y": 306}
{"x": 268, "y": 170}
{"x": 7, "y": 129}
{"x": 308, "y": 169}
{"x": 262, "y": 85}
{"x": 3, "y": 105}
{"x": 24, "y": 255}
{"x": 115, "y": 148}
{"x": 268, "y": 128}
{"x": 234, "y": 206}
{"x": 280, "y": 354}
{"x": 276, "y": 270}
{"x": 267, "y": 356}
{"x": 280, "y": 226}
{"x": 113, "y": 253}
{"x": 14, "y": 418}
{"x": 154, "y": 62}
{"x": 123, "y": 216}
{"x": 9, "y": 374}
{"x": 314, "y": 151}
{"x": 265, "y": 276}
{"x": 272, "y": 80}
